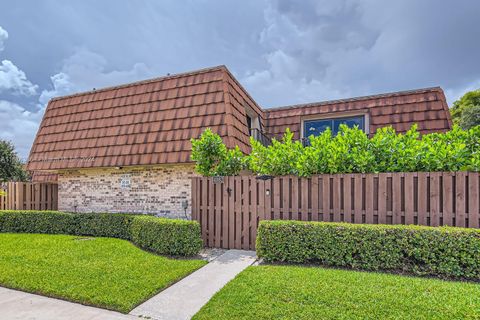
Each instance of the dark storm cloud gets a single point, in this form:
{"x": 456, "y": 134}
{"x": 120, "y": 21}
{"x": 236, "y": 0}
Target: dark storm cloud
{"x": 283, "y": 51}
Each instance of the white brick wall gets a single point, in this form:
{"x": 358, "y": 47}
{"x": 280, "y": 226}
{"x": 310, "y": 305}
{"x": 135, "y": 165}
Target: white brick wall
{"x": 156, "y": 190}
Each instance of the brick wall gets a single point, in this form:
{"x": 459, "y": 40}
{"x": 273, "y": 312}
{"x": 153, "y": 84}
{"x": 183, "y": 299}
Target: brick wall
{"x": 155, "y": 190}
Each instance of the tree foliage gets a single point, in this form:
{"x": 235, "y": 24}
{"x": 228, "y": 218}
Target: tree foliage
{"x": 11, "y": 168}
{"x": 466, "y": 110}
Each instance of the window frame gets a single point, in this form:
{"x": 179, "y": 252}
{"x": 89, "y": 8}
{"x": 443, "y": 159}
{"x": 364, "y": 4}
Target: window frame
{"x": 337, "y": 116}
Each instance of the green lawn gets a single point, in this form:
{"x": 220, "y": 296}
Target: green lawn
{"x": 291, "y": 292}
{"x": 104, "y": 272}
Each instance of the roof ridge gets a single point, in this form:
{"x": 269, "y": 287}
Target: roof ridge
{"x": 231, "y": 76}
{"x": 140, "y": 82}
{"x": 358, "y": 98}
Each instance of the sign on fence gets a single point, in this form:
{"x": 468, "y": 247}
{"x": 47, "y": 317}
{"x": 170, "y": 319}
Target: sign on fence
{"x": 229, "y": 212}
{"x": 29, "y": 196}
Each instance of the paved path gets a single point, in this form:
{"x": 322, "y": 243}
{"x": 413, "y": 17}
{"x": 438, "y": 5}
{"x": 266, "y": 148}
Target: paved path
{"x": 25, "y": 306}
{"x": 185, "y": 298}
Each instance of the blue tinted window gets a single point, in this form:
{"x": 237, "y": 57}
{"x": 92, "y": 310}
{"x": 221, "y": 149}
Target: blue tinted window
{"x": 350, "y": 122}
{"x": 316, "y": 127}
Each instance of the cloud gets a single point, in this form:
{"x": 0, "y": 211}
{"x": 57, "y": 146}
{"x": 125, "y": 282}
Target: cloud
{"x": 19, "y": 126}
{"x": 331, "y": 49}
{"x": 285, "y": 85}
{"x": 3, "y": 38}
{"x": 14, "y": 80}
{"x": 86, "y": 70}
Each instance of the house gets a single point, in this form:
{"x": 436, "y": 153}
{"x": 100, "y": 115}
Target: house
{"x": 127, "y": 148}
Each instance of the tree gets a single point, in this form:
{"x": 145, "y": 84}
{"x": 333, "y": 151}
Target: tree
{"x": 470, "y": 117}
{"x": 465, "y": 111}
{"x": 11, "y": 168}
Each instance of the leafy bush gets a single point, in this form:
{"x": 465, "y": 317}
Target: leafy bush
{"x": 350, "y": 151}
{"x": 53, "y": 222}
{"x": 279, "y": 158}
{"x": 232, "y": 163}
{"x": 114, "y": 225}
{"x": 213, "y": 158}
{"x": 163, "y": 236}
{"x": 442, "y": 251}
{"x": 166, "y": 236}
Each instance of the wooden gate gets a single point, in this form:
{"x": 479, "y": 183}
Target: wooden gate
{"x": 229, "y": 208}
{"x": 29, "y": 196}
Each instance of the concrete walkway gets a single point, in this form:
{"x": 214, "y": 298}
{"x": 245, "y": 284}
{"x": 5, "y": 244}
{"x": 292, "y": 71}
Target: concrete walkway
{"x": 185, "y": 298}
{"x": 25, "y": 306}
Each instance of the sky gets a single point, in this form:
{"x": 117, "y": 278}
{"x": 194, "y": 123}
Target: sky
{"x": 283, "y": 52}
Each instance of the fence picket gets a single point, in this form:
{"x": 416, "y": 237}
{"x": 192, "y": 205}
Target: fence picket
{"x": 447, "y": 199}
{"x": 246, "y": 213}
{"x": 238, "y": 213}
{"x": 276, "y": 198}
{"x": 435, "y": 192}
{"x": 422, "y": 194}
{"x": 295, "y": 193}
{"x": 285, "y": 213}
{"x": 305, "y": 195}
{"x": 358, "y": 196}
{"x": 326, "y": 197}
{"x": 473, "y": 200}
{"x": 382, "y": 198}
{"x": 460, "y": 203}
{"x": 409, "y": 198}
{"x": 369, "y": 198}
{"x": 218, "y": 214}
{"x": 268, "y": 200}
{"x": 315, "y": 198}
{"x": 231, "y": 213}
{"x": 254, "y": 214}
{"x": 336, "y": 197}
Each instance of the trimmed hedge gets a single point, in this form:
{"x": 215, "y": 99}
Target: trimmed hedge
{"x": 113, "y": 225}
{"x": 53, "y": 222}
{"x": 177, "y": 237}
{"x": 446, "y": 252}
{"x": 159, "y": 235}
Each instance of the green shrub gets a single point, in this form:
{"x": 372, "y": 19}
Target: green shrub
{"x": 163, "y": 236}
{"x": 114, "y": 225}
{"x": 350, "y": 151}
{"x": 443, "y": 251}
{"x": 166, "y": 236}
{"x": 53, "y": 222}
{"x": 213, "y": 158}
{"x": 280, "y": 158}
{"x": 232, "y": 163}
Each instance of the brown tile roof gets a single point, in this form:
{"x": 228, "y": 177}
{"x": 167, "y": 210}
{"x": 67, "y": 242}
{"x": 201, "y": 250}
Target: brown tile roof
{"x": 42, "y": 176}
{"x": 142, "y": 123}
{"x": 426, "y": 107}
{"x": 151, "y": 122}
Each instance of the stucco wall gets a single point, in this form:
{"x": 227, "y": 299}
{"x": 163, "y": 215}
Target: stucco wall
{"x": 153, "y": 190}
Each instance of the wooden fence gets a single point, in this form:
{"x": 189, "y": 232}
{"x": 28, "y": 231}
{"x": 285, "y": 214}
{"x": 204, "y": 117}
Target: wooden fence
{"x": 230, "y": 208}
{"x": 29, "y": 196}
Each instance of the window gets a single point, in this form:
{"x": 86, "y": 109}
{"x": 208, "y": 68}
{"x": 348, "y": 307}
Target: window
{"x": 249, "y": 123}
{"x": 316, "y": 127}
